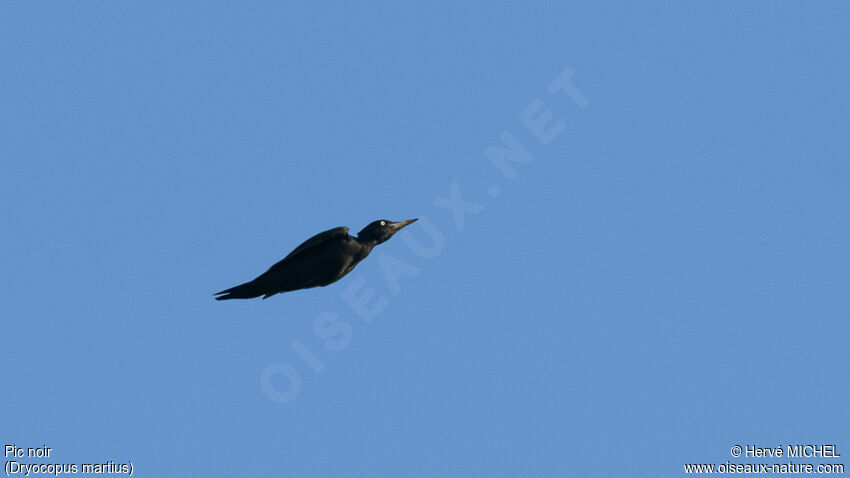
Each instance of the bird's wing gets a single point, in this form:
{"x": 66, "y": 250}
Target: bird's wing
{"x": 320, "y": 238}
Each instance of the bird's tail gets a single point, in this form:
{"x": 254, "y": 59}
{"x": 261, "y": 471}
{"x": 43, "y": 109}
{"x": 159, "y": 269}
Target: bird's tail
{"x": 248, "y": 290}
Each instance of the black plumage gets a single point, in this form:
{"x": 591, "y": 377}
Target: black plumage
{"x": 321, "y": 260}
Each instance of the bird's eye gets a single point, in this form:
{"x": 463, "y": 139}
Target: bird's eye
{"x": 383, "y": 223}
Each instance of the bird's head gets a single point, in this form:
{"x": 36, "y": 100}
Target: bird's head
{"x": 381, "y": 230}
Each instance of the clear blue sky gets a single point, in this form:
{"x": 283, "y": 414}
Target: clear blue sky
{"x": 664, "y": 279}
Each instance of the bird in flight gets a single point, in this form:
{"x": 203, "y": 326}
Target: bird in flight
{"x": 321, "y": 260}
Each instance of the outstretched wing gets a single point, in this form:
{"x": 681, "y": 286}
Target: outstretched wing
{"x": 320, "y": 238}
